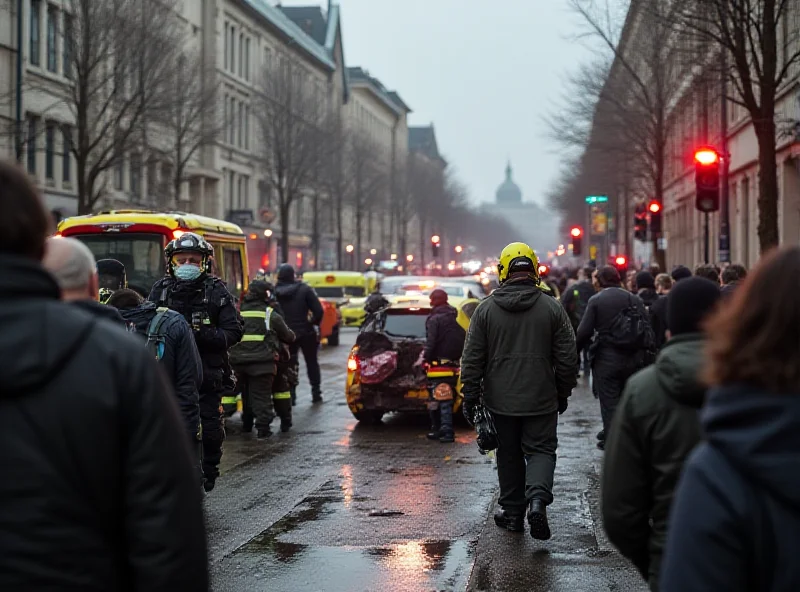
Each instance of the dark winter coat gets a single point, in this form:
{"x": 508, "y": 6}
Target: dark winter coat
{"x": 262, "y": 353}
{"x": 658, "y": 319}
{"x": 210, "y": 296}
{"x": 298, "y": 300}
{"x": 728, "y": 290}
{"x": 656, "y": 426}
{"x": 648, "y": 296}
{"x": 99, "y": 310}
{"x": 735, "y": 521}
{"x": 520, "y": 352}
{"x": 181, "y": 360}
{"x": 575, "y": 300}
{"x": 444, "y": 336}
{"x": 98, "y": 490}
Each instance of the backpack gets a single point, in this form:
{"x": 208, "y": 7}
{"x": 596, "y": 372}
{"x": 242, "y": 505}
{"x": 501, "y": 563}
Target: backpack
{"x": 578, "y": 308}
{"x": 156, "y": 338}
{"x": 630, "y": 331}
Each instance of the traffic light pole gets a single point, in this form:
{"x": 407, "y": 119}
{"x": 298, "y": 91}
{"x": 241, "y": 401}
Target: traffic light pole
{"x": 706, "y": 240}
{"x": 724, "y": 202}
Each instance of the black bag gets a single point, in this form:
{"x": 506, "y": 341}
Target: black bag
{"x": 630, "y": 331}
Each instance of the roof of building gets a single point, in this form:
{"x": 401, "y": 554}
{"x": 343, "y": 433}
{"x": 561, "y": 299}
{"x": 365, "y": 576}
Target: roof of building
{"x": 277, "y": 18}
{"x": 391, "y": 99}
{"x": 422, "y": 139}
{"x": 509, "y": 192}
{"x": 310, "y": 19}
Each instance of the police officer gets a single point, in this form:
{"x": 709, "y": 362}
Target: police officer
{"x": 520, "y": 360}
{"x": 303, "y": 313}
{"x": 443, "y": 346}
{"x": 210, "y": 310}
{"x": 255, "y": 360}
{"x": 111, "y": 277}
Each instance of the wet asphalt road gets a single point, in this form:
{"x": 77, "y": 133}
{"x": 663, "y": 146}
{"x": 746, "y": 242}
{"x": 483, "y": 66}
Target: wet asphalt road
{"x": 338, "y": 506}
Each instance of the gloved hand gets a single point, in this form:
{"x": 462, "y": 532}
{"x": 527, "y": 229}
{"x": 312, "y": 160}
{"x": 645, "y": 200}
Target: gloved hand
{"x": 468, "y": 409}
{"x": 563, "y": 403}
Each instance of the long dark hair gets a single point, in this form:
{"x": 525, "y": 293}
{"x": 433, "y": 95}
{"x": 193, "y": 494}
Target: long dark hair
{"x": 754, "y": 339}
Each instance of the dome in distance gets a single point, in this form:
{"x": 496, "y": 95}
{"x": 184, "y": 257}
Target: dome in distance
{"x": 509, "y": 192}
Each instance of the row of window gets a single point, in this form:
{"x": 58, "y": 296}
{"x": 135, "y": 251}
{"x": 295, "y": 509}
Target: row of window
{"x": 237, "y": 122}
{"x": 39, "y": 11}
{"x": 237, "y": 188}
{"x": 56, "y": 139}
{"x": 237, "y": 51}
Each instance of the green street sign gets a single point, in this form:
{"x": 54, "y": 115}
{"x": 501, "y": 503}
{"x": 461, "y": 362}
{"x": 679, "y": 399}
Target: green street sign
{"x": 593, "y": 199}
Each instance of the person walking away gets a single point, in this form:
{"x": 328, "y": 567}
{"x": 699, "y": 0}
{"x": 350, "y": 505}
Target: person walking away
{"x": 255, "y": 360}
{"x": 646, "y": 288}
{"x": 735, "y": 520}
{"x": 617, "y": 326}
{"x": 732, "y": 276}
{"x": 299, "y": 302}
{"x": 655, "y": 427}
{"x": 520, "y": 362}
{"x": 98, "y": 491}
{"x": 575, "y": 300}
{"x": 658, "y": 310}
{"x": 170, "y": 341}
{"x": 444, "y": 344}
{"x": 710, "y": 272}
{"x": 72, "y": 265}
{"x": 210, "y": 310}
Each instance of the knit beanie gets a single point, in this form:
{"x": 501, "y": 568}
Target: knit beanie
{"x": 681, "y": 272}
{"x": 644, "y": 279}
{"x": 689, "y": 302}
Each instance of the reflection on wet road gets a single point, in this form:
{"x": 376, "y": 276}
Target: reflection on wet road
{"x": 339, "y": 506}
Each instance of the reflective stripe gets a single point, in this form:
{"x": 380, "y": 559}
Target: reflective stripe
{"x": 279, "y": 396}
{"x": 440, "y": 373}
{"x": 253, "y": 337}
{"x": 254, "y": 314}
{"x": 229, "y": 400}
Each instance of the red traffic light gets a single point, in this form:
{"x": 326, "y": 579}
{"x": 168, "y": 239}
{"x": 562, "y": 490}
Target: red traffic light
{"x": 576, "y": 231}
{"x": 436, "y": 239}
{"x": 621, "y": 261}
{"x": 654, "y": 207}
{"x": 543, "y": 270}
{"x": 706, "y": 156}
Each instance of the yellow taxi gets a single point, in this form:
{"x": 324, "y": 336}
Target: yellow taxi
{"x": 347, "y": 289}
{"x": 399, "y": 329}
{"x": 136, "y": 238}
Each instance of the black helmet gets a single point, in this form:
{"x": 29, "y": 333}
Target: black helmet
{"x": 111, "y": 277}
{"x": 189, "y": 242}
{"x": 286, "y": 273}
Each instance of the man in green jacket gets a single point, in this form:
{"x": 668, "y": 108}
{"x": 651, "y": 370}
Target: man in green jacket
{"x": 655, "y": 427}
{"x": 520, "y": 361}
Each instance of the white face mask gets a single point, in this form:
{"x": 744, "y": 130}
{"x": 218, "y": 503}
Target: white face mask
{"x": 187, "y": 272}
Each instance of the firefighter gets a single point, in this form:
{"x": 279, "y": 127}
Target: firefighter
{"x": 111, "y": 277}
{"x": 210, "y": 310}
{"x": 255, "y": 360}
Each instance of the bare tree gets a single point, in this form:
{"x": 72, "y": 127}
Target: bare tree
{"x": 425, "y": 188}
{"x": 760, "y": 42}
{"x": 335, "y": 178}
{"x": 367, "y": 172}
{"x": 120, "y": 54}
{"x": 291, "y": 121}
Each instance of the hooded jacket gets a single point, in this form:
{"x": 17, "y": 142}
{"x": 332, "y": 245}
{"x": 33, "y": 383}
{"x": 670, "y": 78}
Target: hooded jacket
{"x": 735, "y": 522}
{"x": 100, "y": 310}
{"x": 181, "y": 360}
{"x": 520, "y": 352}
{"x": 260, "y": 355}
{"x": 98, "y": 490}
{"x": 655, "y": 427}
{"x": 298, "y": 300}
{"x": 444, "y": 336}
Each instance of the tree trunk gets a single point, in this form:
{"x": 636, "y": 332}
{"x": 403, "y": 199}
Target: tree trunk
{"x": 284, "y": 212}
{"x": 315, "y": 230}
{"x": 83, "y": 198}
{"x": 422, "y": 242}
{"x": 768, "y": 234}
{"x": 339, "y": 234}
{"x": 359, "y": 224}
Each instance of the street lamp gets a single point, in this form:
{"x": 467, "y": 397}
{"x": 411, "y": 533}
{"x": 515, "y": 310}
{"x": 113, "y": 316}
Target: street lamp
{"x": 373, "y": 252}
{"x": 409, "y": 258}
{"x": 268, "y": 232}
{"x": 350, "y": 249}
{"x": 393, "y": 256}
{"x": 368, "y": 261}
{"x": 459, "y": 249}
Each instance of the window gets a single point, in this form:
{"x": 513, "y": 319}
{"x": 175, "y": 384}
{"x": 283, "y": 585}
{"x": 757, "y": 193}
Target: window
{"x": 136, "y": 174}
{"x": 119, "y": 174}
{"x": 233, "y": 271}
{"x": 49, "y": 150}
{"x": 246, "y": 127}
{"x": 226, "y": 48}
{"x": 52, "y": 41}
{"x": 152, "y": 178}
{"x": 240, "y": 193}
{"x": 232, "y": 41}
{"x": 231, "y": 180}
{"x": 142, "y": 255}
{"x": 66, "y": 154}
{"x": 267, "y": 60}
{"x": 68, "y": 45}
{"x": 247, "y": 59}
{"x": 225, "y": 100}
{"x": 241, "y": 124}
{"x": 36, "y": 6}
{"x": 32, "y": 144}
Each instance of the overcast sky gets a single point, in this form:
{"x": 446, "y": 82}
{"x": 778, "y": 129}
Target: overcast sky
{"x": 483, "y": 71}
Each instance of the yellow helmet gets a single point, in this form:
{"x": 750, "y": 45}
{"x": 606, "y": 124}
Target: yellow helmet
{"x": 517, "y": 257}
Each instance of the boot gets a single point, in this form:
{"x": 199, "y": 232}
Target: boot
{"x": 316, "y": 394}
{"x": 435, "y": 433}
{"x": 208, "y": 485}
{"x": 263, "y": 434}
{"x": 601, "y": 435}
{"x": 512, "y": 522}
{"x": 446, "y": 414}
{"x": 537, "y": 518}
{"x": 286, "y": 424}
{"x": 447, "y": 438}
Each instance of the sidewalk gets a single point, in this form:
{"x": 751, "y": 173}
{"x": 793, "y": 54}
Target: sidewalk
{"x": 579, "y": 556}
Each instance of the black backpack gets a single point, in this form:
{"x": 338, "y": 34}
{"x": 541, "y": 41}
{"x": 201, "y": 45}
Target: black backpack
{"x": 630, "y": 331}
{"x": 156, "y": 338}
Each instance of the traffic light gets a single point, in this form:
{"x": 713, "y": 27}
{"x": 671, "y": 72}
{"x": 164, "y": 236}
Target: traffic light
{"x": 706, "y": 178}
{"x": 436, "y": 242}
{"x": 621, "y": 263}
{"x": 577, "y": 236}
{"x": 640, "y": 223}
{"x": 655, "y": 208}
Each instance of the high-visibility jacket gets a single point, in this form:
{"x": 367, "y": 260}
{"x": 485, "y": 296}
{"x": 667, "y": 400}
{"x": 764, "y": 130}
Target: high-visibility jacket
{"x": 264, "y": 329}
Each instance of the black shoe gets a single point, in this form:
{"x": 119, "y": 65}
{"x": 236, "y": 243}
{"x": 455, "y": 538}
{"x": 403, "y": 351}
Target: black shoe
{"x": 264, "y": 434}
{"x": 286, "y": 424}
{"x": 317, "y": 399}
{"x": 601, "y": 445}
{"x": 433, "y": 434}
{"x": 601, "y": 435}
{"x": 512, "y": 522}
{"x": 208, "y": 485}
{"x": 537, "y": 518}
{"x": 247, "y": 427}
{"x": 447, "y": 438}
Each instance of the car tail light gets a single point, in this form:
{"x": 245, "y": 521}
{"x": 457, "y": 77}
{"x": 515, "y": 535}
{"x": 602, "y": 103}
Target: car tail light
{"x": 352, "y": 364}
